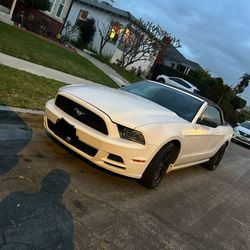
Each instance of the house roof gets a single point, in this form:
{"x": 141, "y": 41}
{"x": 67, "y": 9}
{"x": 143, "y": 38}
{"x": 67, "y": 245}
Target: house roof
{"x": 109, "y": 8}
{"x": 193, "y": 65}
{"x": 174, "y": 54}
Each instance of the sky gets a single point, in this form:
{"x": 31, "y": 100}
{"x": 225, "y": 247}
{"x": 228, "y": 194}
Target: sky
{"x": 214, "y": 33}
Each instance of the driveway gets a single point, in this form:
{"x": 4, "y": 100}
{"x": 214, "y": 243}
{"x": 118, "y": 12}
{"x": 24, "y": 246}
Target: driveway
{"x": 52, "y": 199}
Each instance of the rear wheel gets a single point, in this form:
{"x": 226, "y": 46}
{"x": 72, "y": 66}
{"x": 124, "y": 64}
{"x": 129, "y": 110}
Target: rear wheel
{"x": 157, "y": 168}
{"x": 214, "y": 161}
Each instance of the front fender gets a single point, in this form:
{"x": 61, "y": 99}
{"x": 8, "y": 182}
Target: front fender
{"x": 160, "y": 134}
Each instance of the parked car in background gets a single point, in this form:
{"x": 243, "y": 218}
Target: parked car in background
{"x": 242, "y": 132}
{"x": 177, "y": 82}
{"x": 141, "y": 130}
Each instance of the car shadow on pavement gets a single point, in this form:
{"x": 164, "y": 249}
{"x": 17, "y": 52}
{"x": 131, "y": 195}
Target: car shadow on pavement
{"x": 37, "y": 220}
{"x": 15, "y": 134}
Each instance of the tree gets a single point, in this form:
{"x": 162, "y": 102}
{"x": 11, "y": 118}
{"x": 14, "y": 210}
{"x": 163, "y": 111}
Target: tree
{"x": 238, "y": 103}
{"x": 201, "y": 74}
{"x": 69, "y": 31}
{"x": 37, "y": 4}
{"x": 104, "y": 31}
{"x": 245, "y": 114}
{"x": 239, "y": 88}
{"x": 142, "y": 40}
{"x": 87, "y": 31}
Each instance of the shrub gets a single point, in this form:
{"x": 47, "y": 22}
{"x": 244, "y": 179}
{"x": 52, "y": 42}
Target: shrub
{"x": 238, "y": 103}
{"x": 87, "y": 31}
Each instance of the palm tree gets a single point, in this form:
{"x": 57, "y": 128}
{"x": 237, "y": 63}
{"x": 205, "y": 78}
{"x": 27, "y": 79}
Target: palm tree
{"x": 239, "y": 88}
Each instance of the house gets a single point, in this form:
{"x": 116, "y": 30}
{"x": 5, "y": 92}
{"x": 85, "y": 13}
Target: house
{"x": 169, "y": 60}
{"x": 6, "y": 10}
{"x": 174, "y": 59}
{"x": 110, "y": 21}
{"x": 48, "y": 23}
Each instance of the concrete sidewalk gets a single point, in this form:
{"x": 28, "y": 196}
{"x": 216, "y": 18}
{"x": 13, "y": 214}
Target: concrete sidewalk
{"x": 41, "y": 70}
{"x": 104, "y": 67}
{"x": 59, "y": 75}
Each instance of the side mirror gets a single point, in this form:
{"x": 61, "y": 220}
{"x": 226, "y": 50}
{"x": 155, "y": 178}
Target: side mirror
{"x": 208, "y": 123}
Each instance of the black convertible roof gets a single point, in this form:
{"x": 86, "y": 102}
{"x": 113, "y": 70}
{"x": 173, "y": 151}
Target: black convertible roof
{"x": 194, "y": 94}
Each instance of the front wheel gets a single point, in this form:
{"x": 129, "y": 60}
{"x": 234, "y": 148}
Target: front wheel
{"x": 214, "y": 161}
{"x": 157, "y": 168}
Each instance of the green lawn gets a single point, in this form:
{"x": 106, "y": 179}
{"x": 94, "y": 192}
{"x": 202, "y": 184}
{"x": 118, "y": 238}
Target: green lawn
{"x": 27, "y": 46}
{"x": 25, "y": 90}
{"x": 129, "y": 76}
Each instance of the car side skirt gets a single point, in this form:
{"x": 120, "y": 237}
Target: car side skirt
{"x": 176, "y": 167}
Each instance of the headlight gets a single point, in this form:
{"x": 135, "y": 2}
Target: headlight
{"x": 131, "y": 134}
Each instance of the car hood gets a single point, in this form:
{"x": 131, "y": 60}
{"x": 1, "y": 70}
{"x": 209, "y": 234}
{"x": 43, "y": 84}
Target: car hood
{"x": 244, "y": 130}
{"x": 123, "y": 107}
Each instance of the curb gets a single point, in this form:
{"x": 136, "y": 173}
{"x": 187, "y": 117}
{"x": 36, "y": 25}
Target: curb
{"x": 21, "y": 110}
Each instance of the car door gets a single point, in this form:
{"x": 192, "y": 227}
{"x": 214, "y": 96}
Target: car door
{"x": 209, "y": 134}
{"x": 204, "y": 137}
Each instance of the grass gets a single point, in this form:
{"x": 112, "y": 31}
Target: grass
{"x": 129, "y": 76}
{"x": 27, "y": 46}
{"x": 25, "y": 90}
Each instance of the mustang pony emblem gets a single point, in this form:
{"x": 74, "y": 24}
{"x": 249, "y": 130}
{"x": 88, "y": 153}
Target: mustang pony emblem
{"x": 79, "y": 112}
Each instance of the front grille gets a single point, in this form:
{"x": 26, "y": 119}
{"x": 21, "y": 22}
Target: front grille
{"x": 244, "y": 134}
{"x": 67, "y": 133}
{"x": 81, "y": 114}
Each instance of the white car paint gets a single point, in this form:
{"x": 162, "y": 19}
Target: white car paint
{"x": 173, "y": 81}
{"x": 157, "y": 124}
{"x": 242, "y": 132}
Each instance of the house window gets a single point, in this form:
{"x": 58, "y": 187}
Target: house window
{"x": 60, "y": 8}
{"x": 129, "y": 39}
{"x": 82, "y": 16}
{"x": 51, "y": 4}
{"x": 114, "y": 33}
{"x": 127, "y": 34}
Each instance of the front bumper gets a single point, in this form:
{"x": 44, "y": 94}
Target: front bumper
{"x": 107, "y": 151}
{"x": 238, "y": 137}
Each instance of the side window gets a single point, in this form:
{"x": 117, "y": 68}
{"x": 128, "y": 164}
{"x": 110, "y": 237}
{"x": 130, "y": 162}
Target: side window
{"x": 82, "y": 16}
{"x": 211, "y": 116}
{"x": 184, "y": 84}
{"x": 115, "y": 31}
{"x": 51, "y": 3}
{"x": 60, "y": 8}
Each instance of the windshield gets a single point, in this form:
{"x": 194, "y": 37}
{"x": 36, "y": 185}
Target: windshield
{"x": 184, "y": 105}
{"x": 246, "y": 124}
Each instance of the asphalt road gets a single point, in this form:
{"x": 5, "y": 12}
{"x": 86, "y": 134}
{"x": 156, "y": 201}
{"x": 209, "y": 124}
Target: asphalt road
{"x": 52, "y": 199}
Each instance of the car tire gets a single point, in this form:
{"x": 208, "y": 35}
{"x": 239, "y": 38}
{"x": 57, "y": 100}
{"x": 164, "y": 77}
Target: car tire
{"x": 157, "y": 168}
{"x": 161, "y": 80}
{"x": 214, "y": 161}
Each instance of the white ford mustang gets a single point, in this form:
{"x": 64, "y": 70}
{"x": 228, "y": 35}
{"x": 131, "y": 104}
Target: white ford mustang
{"x": 142, "y": 131}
